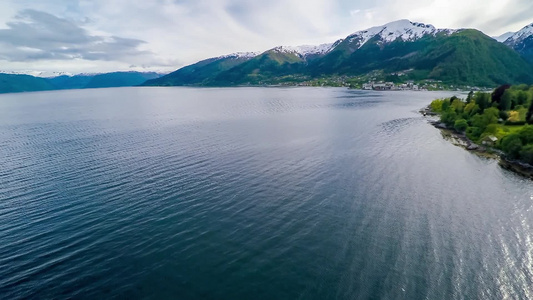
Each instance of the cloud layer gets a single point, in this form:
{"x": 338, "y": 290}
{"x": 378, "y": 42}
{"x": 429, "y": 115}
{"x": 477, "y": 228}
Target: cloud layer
{"x": 103, "y": 35}
{"x": 37, "y": 35}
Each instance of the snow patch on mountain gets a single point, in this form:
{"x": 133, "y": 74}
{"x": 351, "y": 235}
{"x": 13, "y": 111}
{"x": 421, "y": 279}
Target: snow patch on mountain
{"x": 402, "y": 29}
{"x": 237, "y": 55}
{"x": 44, "y": 74}
{"x": 520, "y": 36}
{"x": 502, "y": 38}
{"x": 306, "y": 50}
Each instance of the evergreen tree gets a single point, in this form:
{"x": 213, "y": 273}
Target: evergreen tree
{"x": 482, "y": 100}
{"x": 469, "y": 97}
{"x": 506, "y": 101}
{"x": 498, "y": 93}
{"x": 529, "y": 114}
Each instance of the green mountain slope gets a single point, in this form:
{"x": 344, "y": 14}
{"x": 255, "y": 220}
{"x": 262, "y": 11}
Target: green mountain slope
{"x": 401, "y": 48}
{"x": 464, "y": 57}
{"x": 522, "y": 42}
{"x": 200, "y": 73}
{"x": 471, "y": 57}
{"x": 270, "y": 67}
{"x": 525, "y": 48}
{"x": 467, "y": 57}
{"x": 10, "y": 83}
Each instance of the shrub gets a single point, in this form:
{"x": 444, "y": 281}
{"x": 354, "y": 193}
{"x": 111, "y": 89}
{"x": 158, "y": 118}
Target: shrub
{"x": 436, "y": 105}
{"x": 526, "y": 134}
{"x": 503, "y": 115}
{"x": 514, "y": 116}
{"x": 460, "y": 125}
{"x": 526, "y": 154}
{"x": 458, "y": 105}
{"x": 491, "y": 129}
{"x": 512, "y": 145}
{"x": 448, "y": 117}
{"x": 473, "y": 133}
{"x": 515, "y": 123}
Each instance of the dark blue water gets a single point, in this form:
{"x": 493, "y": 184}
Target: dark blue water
{"x": 251, "y": 193}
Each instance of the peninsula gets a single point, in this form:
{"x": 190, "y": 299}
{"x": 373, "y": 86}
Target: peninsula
{"x": 500, "y": 122}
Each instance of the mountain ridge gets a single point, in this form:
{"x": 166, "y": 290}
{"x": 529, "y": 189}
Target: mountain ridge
{"x": 417, "y": 51}
{"x": 392, "y": 47}
{"x": 13, "y": 83}
{"x": 522, "y": 42}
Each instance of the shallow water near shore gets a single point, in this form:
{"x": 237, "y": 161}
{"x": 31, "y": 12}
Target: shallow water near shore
{"x": 252, "y": 193}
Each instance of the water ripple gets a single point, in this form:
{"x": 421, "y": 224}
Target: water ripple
{"x": 251, "y": 193}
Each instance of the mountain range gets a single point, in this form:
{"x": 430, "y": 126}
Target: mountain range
{"x": 12, "y": 83}
{"x": 415, "y": 50}
{"x": 400, "y": 50}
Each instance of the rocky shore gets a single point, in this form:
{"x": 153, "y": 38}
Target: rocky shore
{"x": 517, "y": 167}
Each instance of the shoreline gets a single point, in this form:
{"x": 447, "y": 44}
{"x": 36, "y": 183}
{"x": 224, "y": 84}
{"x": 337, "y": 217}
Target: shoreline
{"x": 461, "y": 140}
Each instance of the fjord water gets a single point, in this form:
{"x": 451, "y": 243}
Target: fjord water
{"x": 251, "y": 193}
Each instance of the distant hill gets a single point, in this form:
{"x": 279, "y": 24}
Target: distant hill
{"x": 462, "y": 57}
{"x": 66, "y": 82}
{"x": 118, "y": 79}
{"x": 115, "y": 79}
{"x": 11, "y": 83}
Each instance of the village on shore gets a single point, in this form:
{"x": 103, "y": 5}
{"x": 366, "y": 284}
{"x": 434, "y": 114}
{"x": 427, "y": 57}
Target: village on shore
{"x": 410, "y": 85}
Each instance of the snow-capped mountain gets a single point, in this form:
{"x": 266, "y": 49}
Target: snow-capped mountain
{"x": 520, "y": 36}
{"x": 305, "y": 50}
{"x": 402, "y": 29}
{"x": 502, "y": 38}
{"x": 393, "y": 47}
{"x": 44, "y": 74}
{"x": 522, "y": 42}
{"x": 240, "y": 55}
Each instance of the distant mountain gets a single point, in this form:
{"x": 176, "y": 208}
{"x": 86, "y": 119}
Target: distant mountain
{"x": 245, "y": 67}
{"x": 115, "y": 79}
{"x": 269, "y": 67}
{"x": 306, "y": 52}
{"x": 13, "y": 83}
{"x": 421, "y": 51}
{"x": 380, "y": 43}
{"x": 119, "y": 79}
{"x": 502, "y": 38}
{"x": 522, "y": 42}
{"x": 463, "y": 57}
{"x": 201, "y": 72}
{"x": 413, "y": 50}
{"x": 66, "y": 82}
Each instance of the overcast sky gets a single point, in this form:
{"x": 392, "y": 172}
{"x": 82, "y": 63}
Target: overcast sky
{"x": 162, "y": 35}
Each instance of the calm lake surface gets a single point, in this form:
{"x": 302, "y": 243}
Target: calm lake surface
{"x": 251, "y": 193}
